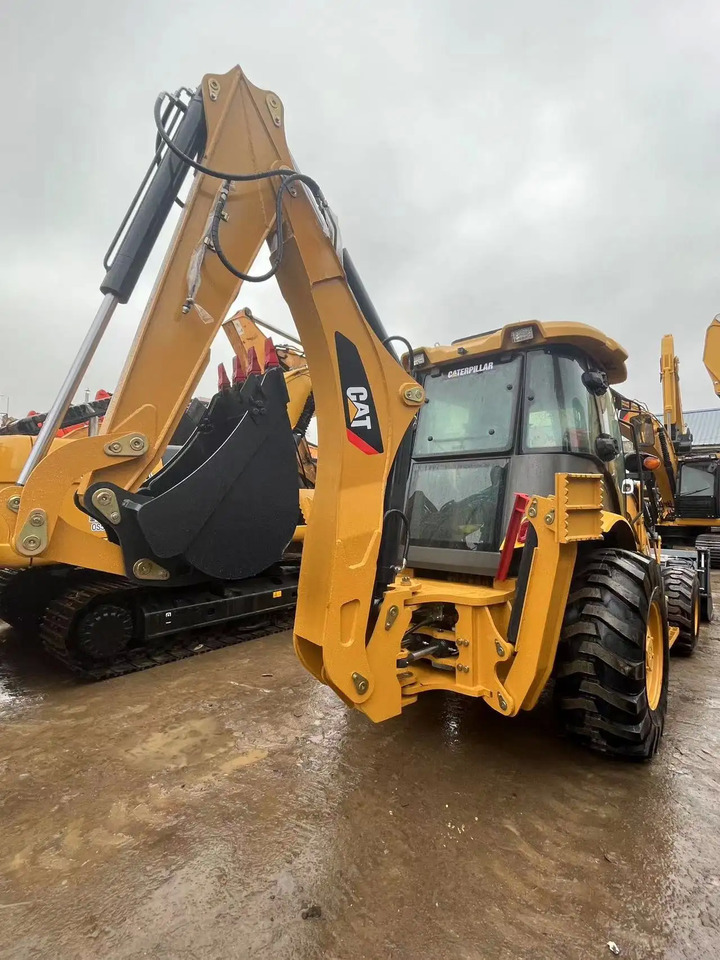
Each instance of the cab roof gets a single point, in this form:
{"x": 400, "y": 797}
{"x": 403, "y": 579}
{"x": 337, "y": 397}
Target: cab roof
{"x": 517, "y": 337}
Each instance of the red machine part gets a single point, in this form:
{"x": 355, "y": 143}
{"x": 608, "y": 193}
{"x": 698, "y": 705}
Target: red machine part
{"x": 513, "y": 534}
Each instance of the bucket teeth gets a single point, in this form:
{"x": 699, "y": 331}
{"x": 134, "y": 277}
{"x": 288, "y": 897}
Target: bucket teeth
{"x": 239, "y": 376}
{"x": 253, "y": 362}
{"x": 223, "y": 379}
{"x": 271, "y": 357}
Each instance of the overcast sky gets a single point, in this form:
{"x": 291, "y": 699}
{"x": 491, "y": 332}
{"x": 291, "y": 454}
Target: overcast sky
{"x": 489, "y": 162}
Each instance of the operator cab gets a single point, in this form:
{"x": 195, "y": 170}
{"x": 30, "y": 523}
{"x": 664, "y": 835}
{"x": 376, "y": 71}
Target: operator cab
{"x": 504, "y": 413}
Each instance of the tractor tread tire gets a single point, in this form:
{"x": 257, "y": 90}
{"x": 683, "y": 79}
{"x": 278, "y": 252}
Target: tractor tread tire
{"x": 682, "y": 595}
{"x": 600, "y": 690}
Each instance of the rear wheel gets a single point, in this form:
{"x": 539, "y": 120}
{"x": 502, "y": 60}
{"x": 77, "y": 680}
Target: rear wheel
{"x": 682, "y": 595}
{"x": 706, "y": 605}
{"x": 612, "y": 660}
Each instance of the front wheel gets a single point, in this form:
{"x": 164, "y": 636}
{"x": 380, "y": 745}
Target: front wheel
{"x": 612, "y": 660}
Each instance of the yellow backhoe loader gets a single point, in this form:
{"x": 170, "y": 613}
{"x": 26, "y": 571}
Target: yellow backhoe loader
{"x": 472, "y": 529}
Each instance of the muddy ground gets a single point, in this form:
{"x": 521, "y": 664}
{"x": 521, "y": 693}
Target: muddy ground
{"x": 230, "y": 807}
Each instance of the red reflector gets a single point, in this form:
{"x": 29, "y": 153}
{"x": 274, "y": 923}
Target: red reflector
{"x": 523, "y": 531}
{"x": 512, "y": 534}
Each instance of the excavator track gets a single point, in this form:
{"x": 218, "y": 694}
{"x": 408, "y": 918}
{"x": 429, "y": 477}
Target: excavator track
{"x": 57, "y": 625}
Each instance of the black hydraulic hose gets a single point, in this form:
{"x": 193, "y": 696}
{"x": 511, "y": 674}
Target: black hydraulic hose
{"x": 406, "y": 342}
{"x": 285, "y": 172}
{"x": 192, "y": 162}
{"x": 667, "y": 459}
{"x": 305, "y": 417}
{"x": 280, "y": 239}
{"x": 406, "y": 527}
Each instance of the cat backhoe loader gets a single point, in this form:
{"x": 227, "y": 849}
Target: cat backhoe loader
{"x": 472, "y": 529}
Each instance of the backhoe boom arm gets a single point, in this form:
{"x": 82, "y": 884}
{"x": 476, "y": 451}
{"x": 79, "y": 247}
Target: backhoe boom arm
{"x": 364, "y": 400}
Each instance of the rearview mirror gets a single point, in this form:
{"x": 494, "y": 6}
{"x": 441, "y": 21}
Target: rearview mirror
{"x": 595, "y": 382}
{"x": 606, "y": 447}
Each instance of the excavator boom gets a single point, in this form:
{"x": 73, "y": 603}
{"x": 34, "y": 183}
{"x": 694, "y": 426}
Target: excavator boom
{"x": 672, "y": 397}
{"x": 245, "y": 192}
{"x": 711, "y": 354}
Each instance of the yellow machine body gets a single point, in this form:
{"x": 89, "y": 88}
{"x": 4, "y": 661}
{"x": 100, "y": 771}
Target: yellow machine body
{"x": 365, "y": 401}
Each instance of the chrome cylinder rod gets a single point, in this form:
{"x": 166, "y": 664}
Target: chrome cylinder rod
{"x": 69, "y": 388}
{"x": 290, "y": 337}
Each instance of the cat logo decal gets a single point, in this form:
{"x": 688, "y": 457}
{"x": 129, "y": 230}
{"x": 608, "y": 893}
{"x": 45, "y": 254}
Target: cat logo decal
{"x": 361, "y": 423}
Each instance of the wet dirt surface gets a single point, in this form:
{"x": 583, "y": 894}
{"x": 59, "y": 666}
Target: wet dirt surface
{"x": 198, "y": 810}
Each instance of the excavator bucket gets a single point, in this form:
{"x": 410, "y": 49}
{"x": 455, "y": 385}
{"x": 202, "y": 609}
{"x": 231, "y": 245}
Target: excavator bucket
{"x": 226, "y": 506}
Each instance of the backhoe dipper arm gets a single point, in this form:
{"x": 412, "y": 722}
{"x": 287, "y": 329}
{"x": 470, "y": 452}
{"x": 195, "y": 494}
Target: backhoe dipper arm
{"x": 364, "y": 400}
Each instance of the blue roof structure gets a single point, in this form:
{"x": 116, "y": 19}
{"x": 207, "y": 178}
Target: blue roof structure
{"x": 704, "y": 426}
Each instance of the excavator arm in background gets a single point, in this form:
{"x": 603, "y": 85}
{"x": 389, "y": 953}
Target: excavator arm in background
{"x": 245, "y": 192}
{"x": 711, "y": 353}
{"x": 251, "y": 346}
{"x": 672, "y": 397}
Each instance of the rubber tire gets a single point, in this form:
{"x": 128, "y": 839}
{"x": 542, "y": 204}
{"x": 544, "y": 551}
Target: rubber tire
{"x": 682, "y": 596}
{"x": 706, "y": 607}
{"x": 600, "y": 691}
{"x": 711, "y": 541}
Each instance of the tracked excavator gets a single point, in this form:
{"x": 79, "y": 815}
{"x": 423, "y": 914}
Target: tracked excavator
{"x": 78, "y": 417}
{"x": 148, "y": 640}
{"x": 472, "y": 527}
{"x": 691, "y": 485}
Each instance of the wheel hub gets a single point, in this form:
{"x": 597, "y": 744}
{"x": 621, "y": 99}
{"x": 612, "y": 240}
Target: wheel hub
{"x": 654, "y": 666}
{"x": 104, "y": 632}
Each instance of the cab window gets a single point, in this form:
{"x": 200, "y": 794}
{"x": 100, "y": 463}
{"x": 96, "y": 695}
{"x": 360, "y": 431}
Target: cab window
{"x": 697, "y": 480}
{"x": 559, "y": 413}
{"x": 469, "y": 409}
{"x": 456, "y": 504}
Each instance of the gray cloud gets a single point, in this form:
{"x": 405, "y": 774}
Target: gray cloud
{"x": 488, "y": 162}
